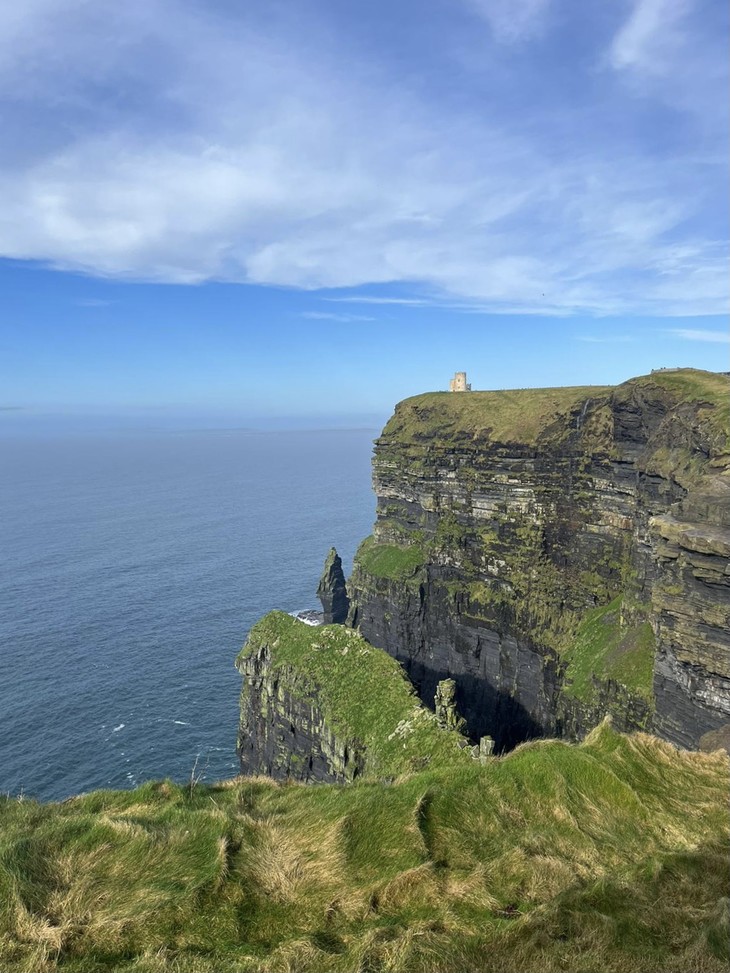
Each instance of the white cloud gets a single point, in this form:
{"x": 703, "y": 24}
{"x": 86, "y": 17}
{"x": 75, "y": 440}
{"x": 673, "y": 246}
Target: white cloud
{"x": 675, "y": 51}
{"x": 698, "y": 334}
{"x": 511, "y": 21}
{"x": 649, "y": 39}
{"x": 169, "y": 143}
{"x": 408, "y": 301}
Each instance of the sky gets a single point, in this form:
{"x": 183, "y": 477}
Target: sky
{"x": 313, "y": 209}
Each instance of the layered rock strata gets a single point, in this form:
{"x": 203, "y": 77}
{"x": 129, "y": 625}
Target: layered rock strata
{"x": 560, "y": 553}
{"x": 282, "y": 731}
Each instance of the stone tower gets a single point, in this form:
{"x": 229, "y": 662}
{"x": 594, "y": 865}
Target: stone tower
{"x": 458, "y": 383}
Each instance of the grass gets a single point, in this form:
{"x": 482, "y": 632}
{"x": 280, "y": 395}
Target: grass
{"x": 398, "y": 563}
{"x": 607, "y": 856}
{"x": 514, "y": 415}
{"x": 361, "y": 692}
{"x": 712, "y": 389}
{"x": 530, "y": 415}
{"x": 604, "y": 648}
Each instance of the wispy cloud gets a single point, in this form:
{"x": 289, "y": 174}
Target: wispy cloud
{"x": 674, "y": 51}
{"x": 444, "y": 303}
{"x": 650, "y": 35}
{"x": 92, "y": 302}
{"x": 327, "y": 316}
{"x": 605, "y": 339}
{"x": 403, "y": 301}
{"x": 699, "y": 334}
{"x": 511, "y": 20}
{"x": 177, "y": 141}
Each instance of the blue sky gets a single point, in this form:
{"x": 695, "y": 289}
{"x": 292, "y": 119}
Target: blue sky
{"x": 316, "y": 208}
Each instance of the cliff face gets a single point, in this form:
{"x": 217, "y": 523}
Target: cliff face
{"x": 282, "y": 731}
{"x": 561, "y": 553}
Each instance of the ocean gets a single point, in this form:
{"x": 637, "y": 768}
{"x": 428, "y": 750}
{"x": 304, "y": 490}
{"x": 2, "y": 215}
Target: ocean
{"x": 133, "y": 566}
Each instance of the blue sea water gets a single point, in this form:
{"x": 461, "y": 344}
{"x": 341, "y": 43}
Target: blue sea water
{"x": 132, "y": 569}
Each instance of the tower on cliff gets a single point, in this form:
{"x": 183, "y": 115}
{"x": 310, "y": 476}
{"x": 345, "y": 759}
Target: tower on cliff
{"x": 458, "y": 383}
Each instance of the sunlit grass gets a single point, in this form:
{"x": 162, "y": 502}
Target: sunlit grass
{"x": 609, "y": 855}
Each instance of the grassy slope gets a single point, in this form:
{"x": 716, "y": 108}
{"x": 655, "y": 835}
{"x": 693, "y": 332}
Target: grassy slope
{"x": 606, "y": 856}
{"x": 361, "y": 692}
{"x": 390, "y": 560}
{"x": 693, "y": 385}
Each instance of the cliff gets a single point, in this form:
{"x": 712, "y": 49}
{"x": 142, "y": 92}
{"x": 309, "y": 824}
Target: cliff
{"x": 320, "y": 703}
{"x": 437, "y": 855}
{"x": 561, "y": 553}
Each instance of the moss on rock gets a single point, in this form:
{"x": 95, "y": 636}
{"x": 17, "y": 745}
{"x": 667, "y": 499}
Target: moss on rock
{"x": 361, "y": 693}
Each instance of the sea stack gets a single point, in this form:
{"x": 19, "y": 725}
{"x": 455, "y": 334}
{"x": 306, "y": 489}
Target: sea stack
{"x": 332, "y": 591}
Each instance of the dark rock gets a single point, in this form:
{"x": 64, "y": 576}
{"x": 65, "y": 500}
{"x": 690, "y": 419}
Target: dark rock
{"x": 282, "y": 732}
{"x": 332, "y": 591}
{"x": 716, "y": 739}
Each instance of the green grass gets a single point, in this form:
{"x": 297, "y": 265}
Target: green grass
{"x": 514, "y": 415}
{"x": 390, "y": 560}
{"x": 604, "y": 648}
{"x": 529, "y": 415}
{"x": 608, "y": 856}
{"x": 361, "y": 692}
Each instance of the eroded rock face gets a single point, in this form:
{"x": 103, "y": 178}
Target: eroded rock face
{"x": 332, "y": 590}
{"x": 503, "y": 528}
{"x": 445, "y": 706}
{"x": 320, "y": 703}
{"x": 282, "y": 732}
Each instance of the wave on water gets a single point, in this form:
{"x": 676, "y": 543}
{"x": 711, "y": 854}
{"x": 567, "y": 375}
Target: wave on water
{"x": 309, "y": 616}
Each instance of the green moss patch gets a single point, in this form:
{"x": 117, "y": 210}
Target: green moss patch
{"x": 604, "y": 648}
{"x": 361, "y": 692}
{"x": 390, "y": 560}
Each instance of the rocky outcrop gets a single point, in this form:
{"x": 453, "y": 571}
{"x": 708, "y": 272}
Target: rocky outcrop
{"x": 332, "y": 590}
{"x": 560, "y": 553}
{"x": 318, "y": 703}
{"x": 445, "y": 706}
{"x": 282, "y": 732}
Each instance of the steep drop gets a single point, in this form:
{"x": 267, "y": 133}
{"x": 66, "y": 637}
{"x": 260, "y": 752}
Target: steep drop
{"x": 560, "y": 553}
